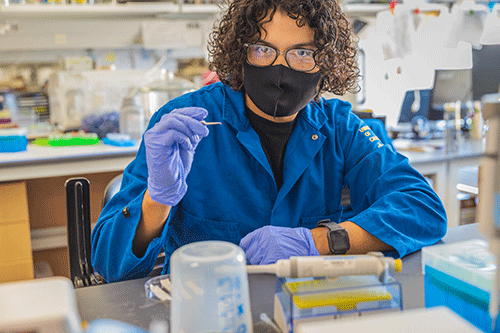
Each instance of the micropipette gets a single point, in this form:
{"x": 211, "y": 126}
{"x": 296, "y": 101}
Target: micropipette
{"x": 373, "y": 263}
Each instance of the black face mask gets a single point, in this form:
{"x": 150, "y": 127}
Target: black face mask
{"x": 279, "y": 91}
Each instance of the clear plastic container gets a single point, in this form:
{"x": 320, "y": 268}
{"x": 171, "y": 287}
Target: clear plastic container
{"x": 468, "y": 261}
{"x": 309, "y": 299}
{"x": 460, "y": 276}
{"x": 132, "y": 120}
{"x": 210, "y": 289}
{"x": 157, "y": 93}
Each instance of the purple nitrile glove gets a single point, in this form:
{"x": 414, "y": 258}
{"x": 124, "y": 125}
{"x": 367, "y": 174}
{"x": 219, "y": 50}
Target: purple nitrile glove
{"x": 268, "y": 244}
{"x": 170, "y": 146}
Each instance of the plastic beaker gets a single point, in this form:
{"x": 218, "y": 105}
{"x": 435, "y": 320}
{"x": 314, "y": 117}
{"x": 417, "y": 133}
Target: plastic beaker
{"x": 209, "y": 289}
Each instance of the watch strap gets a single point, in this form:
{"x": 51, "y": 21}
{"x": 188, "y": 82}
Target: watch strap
{"x": 329, "y": 224}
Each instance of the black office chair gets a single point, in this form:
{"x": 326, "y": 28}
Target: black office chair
{"x": 79, "y": 245}
{"x": 78, "y": 213}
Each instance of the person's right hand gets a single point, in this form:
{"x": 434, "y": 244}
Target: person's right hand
{"x": 170, "y": 146}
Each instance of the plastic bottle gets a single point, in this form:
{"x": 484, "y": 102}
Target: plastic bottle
{"x": 132, "y": 120}
{"x": 477, "y": 124}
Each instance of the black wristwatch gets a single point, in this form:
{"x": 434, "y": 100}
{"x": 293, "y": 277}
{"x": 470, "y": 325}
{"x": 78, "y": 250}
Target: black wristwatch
{"x": 338, "y": 239}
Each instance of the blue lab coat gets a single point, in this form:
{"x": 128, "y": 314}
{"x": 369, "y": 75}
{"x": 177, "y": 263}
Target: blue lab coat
{"x": 231, "y": 187}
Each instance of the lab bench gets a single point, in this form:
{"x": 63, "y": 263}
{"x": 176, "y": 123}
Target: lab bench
{"x": 33, "y": 202}
{"x": 444, "y": 169}
{"x": 126, "y": 301}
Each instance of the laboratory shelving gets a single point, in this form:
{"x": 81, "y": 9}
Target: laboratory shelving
{"x": 107, "y": 10}
{"x": 143, "y": 9}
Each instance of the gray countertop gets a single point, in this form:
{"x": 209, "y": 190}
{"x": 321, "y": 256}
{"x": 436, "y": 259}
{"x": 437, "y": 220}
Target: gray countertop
{"x": 126, "y": 301}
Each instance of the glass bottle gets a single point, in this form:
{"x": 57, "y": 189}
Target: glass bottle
{"x": 132, "y": 120}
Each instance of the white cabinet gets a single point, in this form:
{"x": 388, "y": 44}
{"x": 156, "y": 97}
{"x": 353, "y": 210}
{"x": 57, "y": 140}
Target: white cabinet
{"x": 105, "y": 26}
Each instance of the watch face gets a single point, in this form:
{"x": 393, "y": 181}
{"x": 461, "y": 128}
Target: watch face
{"x": 340, "y": 241}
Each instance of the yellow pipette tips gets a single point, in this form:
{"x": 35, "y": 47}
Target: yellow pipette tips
{"x": 398, "y": 265}
{"x": 342, "y": 300}
{"x": 344, "y": 292}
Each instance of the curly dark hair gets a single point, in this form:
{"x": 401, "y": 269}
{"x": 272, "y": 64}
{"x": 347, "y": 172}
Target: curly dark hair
{"x": 241, "y": 22}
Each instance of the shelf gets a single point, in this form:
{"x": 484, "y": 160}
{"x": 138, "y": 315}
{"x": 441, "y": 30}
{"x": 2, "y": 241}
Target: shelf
{"x": 362, "y": 8}
{"x": 164, "y": 10}
{"x": 152, "y": 9}
{"x": 98, "y": 11}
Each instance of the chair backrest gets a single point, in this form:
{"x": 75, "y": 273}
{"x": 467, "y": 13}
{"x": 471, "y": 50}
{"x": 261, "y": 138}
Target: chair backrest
{"x": 111, "y": 189}
{"x": 78, "y": 215}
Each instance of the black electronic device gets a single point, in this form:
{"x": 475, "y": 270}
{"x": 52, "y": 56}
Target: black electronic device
{"x": 450, "y": 86}
{"x": 485, "y": 71}
{"x": 338, "y": 238}
{"x": 415, "y": 105}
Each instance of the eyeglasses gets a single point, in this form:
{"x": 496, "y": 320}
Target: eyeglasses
{"x": 301, "y": 60}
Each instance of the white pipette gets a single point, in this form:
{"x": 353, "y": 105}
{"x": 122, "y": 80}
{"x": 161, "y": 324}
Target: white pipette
{"x": 373, "y": 263}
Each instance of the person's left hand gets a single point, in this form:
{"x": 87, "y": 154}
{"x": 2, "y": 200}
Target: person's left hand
{"x": 268, "y": 244}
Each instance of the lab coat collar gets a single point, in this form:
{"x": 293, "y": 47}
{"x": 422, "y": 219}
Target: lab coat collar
{"x": 234, "y": 108}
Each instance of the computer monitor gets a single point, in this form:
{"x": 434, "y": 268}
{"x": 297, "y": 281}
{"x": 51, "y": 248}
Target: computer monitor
{"x": 410, "y": 110}
{"x": 485, "y": 71}
{"x": 450, "y": 86}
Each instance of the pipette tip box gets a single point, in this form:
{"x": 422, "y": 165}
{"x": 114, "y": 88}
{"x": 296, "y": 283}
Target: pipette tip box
{"x": 460, "y": 276}
{"x": 313, "y": 299}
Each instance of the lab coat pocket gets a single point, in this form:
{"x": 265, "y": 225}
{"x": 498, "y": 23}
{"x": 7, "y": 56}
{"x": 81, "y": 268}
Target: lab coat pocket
{"x": 310, "y": 222}
{"x": 189, "y": 228}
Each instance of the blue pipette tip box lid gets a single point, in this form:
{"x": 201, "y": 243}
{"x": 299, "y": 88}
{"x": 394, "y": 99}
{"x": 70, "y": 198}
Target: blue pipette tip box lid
{"x": 13, "y": 140}
{"x": 469, "y": 261}
{"x": 460, "y": 276}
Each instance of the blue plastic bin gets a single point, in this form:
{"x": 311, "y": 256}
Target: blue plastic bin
{"x": 13, "y": 140}
{"x": 459, "y": 276}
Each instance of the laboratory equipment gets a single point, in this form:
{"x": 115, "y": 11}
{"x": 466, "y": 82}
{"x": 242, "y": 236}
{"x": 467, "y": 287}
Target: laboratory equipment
{"x": 306, "y": 300}
{"x": 159, "y": 288}
{"x": 70, "y": 139}
{"x": 29, "y": 110}
{"x": 209, "y": 288}
{"x": 132, "y": 121}
{"x": 119, "y": 140}
{"x": 42, "y": 305}
{"x": 13, "y": 140}
{"x": 312, "y": 288}
{"x": 489, "y": 189}
{"x": 460, "y": 276}
{"x": 154, "y": 95}
{"x": 207, "y": 123}
{"x": 76, "y": 94}
{"x": 373, "y": 263}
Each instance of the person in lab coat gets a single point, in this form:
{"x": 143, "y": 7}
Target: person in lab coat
{"x": 276, "y": 164}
